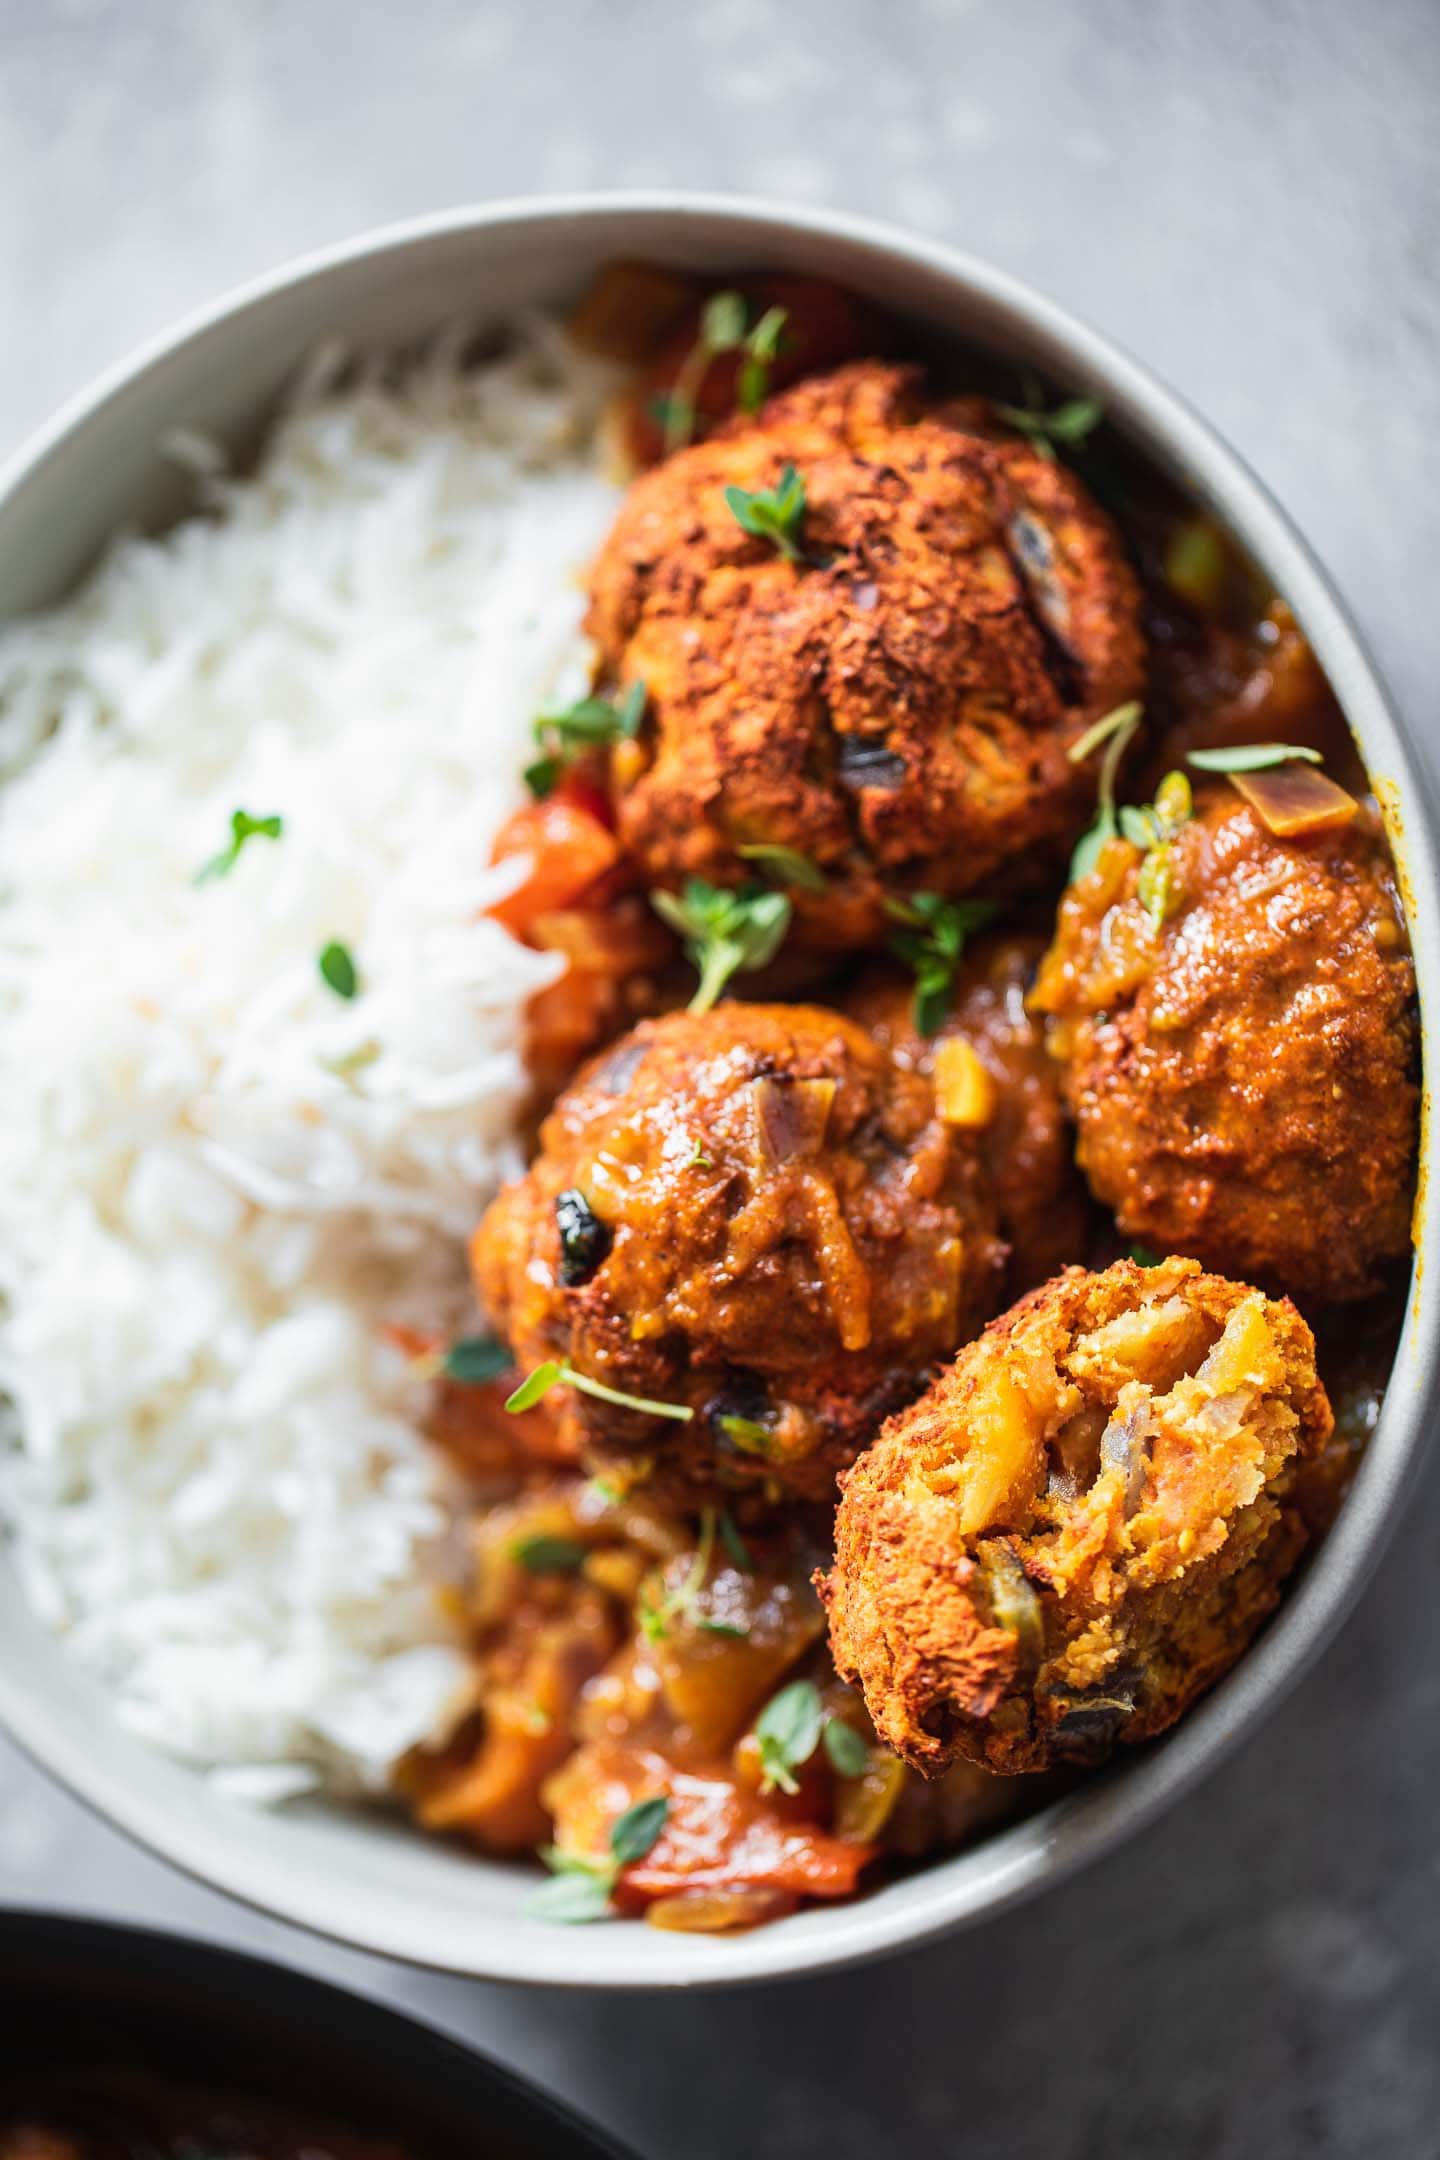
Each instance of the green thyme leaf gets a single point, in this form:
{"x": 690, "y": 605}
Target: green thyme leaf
{"x": 700, "y": 1160}
{"x": 726, "y": 933}
{"x": 1139, "y": 826}
{"x": 1252, "y": 757}
{"x": 748, "y": 1434}
{"x": 932, "y": 944}
{"x": 243, "y": 827}
{"x": 847, "y": 1751}
{"x": 734, "y": 1544}
{"x": 1121, "y": 720}
{"x": 788, "y": 1730}
{"x": 1155, "y": 886}
{"x": 1142, "y": 1256}
{"x": 475, "y": 1359}
{"x": 786, "y": 864}
{"x": 553, "y": 1374}
{"x": 588, "y": 724}
{"x": 536, "y": 1384}
{"x": 680, "y": 1603}
{"x": 722, "y": 325}
{"x": 761, "y": 347}
{"x": 1070, "y": 423}
{"x": 571, "y": 1898}
{"x": 633, "y": 1833}
{"x": 337, "y": 967}
{"x": 541, "y": 777}
{"x": 1089, "y": 846}
{"x": 722, "y": 1627}
{"x": 549, "y": 1555}
{"x": 1174, "y": 804}
{"x": 1115, "y": 730}
{"x": 774, "y": 514}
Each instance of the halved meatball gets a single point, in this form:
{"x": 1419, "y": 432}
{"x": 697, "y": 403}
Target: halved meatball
{"x": 1012, "y": 1104}
{"x": 1244, "y": 1074}
{"x": 897, "y": 704}
{"x": 754, "y": 1214}
{"x": 1081, "y": 1524}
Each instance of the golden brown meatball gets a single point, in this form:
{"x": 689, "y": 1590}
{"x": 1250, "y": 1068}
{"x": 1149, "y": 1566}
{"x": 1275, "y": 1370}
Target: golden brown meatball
{"x": 897, "y": 705}
{"x": 754, "y": 1213}
{"x": 1080, "y": 1526}
{"x": 1244, "y": 1076}
{"x": 1014, "y": 1105}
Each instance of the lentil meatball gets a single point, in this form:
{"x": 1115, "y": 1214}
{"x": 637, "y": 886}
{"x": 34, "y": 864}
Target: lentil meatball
{"x": 1013, "y": 1104}
{"x": 754, "y": 1213}
{"x": 896, "y": 705}
{"x": 1080, "y": 1526}
{"x": 1244, "y": 1075}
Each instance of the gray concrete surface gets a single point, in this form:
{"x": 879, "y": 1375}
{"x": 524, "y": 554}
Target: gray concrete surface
{"x": 1249, "y": 196}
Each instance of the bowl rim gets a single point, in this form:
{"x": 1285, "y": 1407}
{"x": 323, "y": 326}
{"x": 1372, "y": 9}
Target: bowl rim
{"x": 67, "y": 1954}
{"x": 1045, "y": 1849}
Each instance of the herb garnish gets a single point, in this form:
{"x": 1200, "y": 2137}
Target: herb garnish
{"x": 474, "y": 1359}
{"x": 243, "y": 827}
{"x": 722, "y": 330}
{"x": 553, "y": 1373}
{"x": 726, "y": 933}
{"x": 1252, "y": 757}
{"x": 1116, "y": 731}
{"x": 786, "y": 864}
{"x": 682, "y": 1602}
{"x": 847, "y": 1751}
{"x": 679, "y": 1603}
{"x": 581, "y": 1887}
{"x": 774, "y": 514}
{"x": 586, "y": 725}
{"x": 760, "y": 348}
{"x": 337, "y": 966}
{"x": 734, "y": 1544}
{"x": 1153, "y": 829}
{"x": 748, "y": 1434}
{"x": 542, "y": 1555}
{"x": 790, "y": 1728}
{"x": 932, "y": 944}
{"x": 1069, "y": 423}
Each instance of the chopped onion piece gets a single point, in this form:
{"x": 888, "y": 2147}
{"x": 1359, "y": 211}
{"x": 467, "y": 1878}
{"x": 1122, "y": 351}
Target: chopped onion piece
{"x": 1293, "y": 800}
{"x": 791, "y": 1116}
{"x": 964, "y": 1090}
{"x": 719, "y": 1912}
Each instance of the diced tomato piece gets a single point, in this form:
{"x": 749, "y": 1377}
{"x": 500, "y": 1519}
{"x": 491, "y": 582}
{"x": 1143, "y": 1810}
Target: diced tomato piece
{"x": 716, "y": 1835}
{"x": 570, "y": 850}
{"x": 824, "y": 327}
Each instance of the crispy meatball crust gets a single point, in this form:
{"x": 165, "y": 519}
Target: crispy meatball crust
{"x": 788, "y": 1237}
{"x": 1080, "y": 1526}
{"x": 1245, "y": 1078}
{"x": 898, "y": 706}
{"x": 1026, "y": 1140}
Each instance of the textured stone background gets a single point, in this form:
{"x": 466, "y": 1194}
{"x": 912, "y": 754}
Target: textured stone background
{"x": 1248, "y": 195}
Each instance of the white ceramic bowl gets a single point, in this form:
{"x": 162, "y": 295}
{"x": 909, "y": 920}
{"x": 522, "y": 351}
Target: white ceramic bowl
{"x": 373, "y": 1882}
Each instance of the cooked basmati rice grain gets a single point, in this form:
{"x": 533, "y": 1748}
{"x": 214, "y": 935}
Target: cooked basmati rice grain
{"x": 217, "y": 1178}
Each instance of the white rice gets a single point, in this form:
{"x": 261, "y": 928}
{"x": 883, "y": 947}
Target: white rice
{"x": 212, "y": 1469}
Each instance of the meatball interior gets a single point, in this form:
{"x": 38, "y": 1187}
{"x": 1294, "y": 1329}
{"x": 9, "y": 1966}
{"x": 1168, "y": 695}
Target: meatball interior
{"x": 897, "y": 704}
{"x": 1080, "y": 1525}
{"x": 1013, "y": 1103}
{"x": 782, "y": 1235}
{"x": 1244, "y": 1076}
